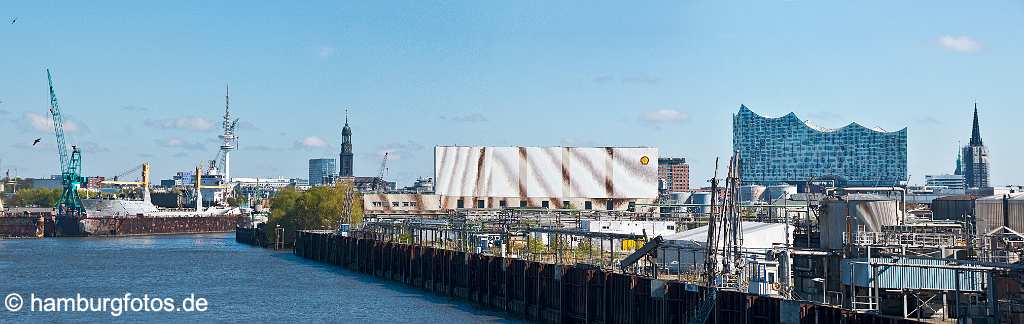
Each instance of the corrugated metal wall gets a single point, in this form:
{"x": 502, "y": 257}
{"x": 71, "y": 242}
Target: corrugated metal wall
{"x": 859, "y": 273}
{"x": 991, "y": 213}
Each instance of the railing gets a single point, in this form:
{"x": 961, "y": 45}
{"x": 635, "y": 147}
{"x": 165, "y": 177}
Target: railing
{"x": 909, "y": 239}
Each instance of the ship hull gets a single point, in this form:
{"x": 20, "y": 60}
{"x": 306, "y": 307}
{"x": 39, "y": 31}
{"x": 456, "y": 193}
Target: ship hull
{"x": 144, "y": 225}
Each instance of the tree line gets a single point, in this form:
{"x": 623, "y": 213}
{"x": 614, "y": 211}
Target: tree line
{"x": 319, "y": 208}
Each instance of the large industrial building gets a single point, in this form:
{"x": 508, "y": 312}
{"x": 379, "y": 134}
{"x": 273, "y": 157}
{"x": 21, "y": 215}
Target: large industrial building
{"x": 596, "y": 178}
{"x": 789, "y": 150}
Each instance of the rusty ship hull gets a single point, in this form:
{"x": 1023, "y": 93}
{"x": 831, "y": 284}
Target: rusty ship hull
{"x": 106, "y": 217}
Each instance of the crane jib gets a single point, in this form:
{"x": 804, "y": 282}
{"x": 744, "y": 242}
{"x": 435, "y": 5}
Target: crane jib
{"x": 70, "y": 164}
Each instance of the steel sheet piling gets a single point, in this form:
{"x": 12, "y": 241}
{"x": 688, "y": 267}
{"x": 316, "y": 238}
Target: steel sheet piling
{"x": 550, "y": 293}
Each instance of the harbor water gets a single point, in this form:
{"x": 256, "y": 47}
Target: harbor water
{"x": 237, "y": 282}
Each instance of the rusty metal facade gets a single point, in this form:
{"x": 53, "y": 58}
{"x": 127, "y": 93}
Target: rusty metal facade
{"x": 489, "y": 177}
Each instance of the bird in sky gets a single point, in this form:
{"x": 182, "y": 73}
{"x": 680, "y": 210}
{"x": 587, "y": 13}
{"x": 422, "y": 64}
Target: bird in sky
{"x": 36, "y": 141}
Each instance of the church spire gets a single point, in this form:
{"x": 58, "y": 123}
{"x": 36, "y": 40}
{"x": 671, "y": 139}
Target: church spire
{"x": 959, "y": 162}
{"x": 976, "y": 131}
{"x": 345, "y": 157}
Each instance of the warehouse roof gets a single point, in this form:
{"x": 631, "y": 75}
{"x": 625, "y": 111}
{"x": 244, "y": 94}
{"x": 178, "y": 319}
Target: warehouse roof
{"x": 755, "y": 235}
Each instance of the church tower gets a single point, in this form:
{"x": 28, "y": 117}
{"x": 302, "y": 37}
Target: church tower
{"x": 345, "y": 160}
{"x": 975, "y": 158}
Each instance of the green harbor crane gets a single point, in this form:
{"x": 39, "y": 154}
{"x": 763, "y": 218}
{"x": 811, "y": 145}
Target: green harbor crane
{"x": 70, "y": 164}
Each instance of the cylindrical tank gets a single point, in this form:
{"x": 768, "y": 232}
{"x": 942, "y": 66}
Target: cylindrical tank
{"x": 751, "y": 193}
{"x": 866, "y": 212}
{"x": 997, "y": 211}
{"x": 777, "y": 192}
{"x": 701, "y": 198}
{"x": 678, "y": 198}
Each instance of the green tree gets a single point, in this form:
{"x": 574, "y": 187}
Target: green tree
{"x": 36, "y": 197}
{"x": 237, "y": 200}
{"x": 313, "y": 209}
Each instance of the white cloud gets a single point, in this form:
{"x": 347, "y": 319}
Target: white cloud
{"x": 962, "y": 44}
{"x": 179, "y": 143}
{"x": 93, "y": 147}
{"x": 45, "y": 124}
{"x": 664, "y": 116}
{"x": 397, "y": 150}
{"x": 185, "y": 123}
{"x": 311, "y": 142}
{"x": 325, "y": 51}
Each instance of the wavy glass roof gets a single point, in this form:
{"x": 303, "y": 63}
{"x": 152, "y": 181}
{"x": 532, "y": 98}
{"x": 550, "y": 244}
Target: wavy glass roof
{"x": 787, "y": 149}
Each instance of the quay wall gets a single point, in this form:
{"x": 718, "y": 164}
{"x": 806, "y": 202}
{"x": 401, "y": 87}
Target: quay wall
{"x": 251, "y": 236}
{"x": 555, "y": 293}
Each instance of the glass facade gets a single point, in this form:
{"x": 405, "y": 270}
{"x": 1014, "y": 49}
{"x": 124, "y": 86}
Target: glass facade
{"x": 322, "y": 171}
{"x": 788, "y": 150}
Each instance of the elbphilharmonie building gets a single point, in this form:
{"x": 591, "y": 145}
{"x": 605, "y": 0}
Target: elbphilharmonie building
{"x": 789, "y": 150}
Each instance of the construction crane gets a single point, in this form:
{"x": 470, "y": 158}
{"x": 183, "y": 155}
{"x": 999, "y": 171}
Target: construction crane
{"x": 378, "y": 184}
{"x": 144, "y": 184}
{"x": 70, "y": 164}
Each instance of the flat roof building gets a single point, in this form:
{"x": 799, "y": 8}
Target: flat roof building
{"x": 676, "y": 174}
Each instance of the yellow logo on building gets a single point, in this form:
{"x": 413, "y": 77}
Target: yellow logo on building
{"x": 644, "y": 160}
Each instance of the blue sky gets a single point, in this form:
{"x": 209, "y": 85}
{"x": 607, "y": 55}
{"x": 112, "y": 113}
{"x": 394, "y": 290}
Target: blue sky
{"x": 143, "y": 81}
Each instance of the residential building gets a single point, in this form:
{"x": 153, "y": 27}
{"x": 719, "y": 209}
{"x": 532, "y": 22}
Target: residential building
{"x": 94, "y": 182}
{"x": 54, "y": 182}
{"x": 789, "y": 150}
{"x": 299, "y": 184}
{"x": 260, "y": 187}
{"x": 422, "y": 185}
{"x": 372, "y": 184}
{"x": 676, "y": 174}
{"x": 321, "y": 171}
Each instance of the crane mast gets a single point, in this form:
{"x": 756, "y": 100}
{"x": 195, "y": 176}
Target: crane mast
{"x": 70, "y": 164}
{"x": 379, "y": 184}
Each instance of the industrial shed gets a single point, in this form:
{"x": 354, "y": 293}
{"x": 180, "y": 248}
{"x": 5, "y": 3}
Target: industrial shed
{"x": 954, "y": 208}
{"x": 997, "y": 211}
